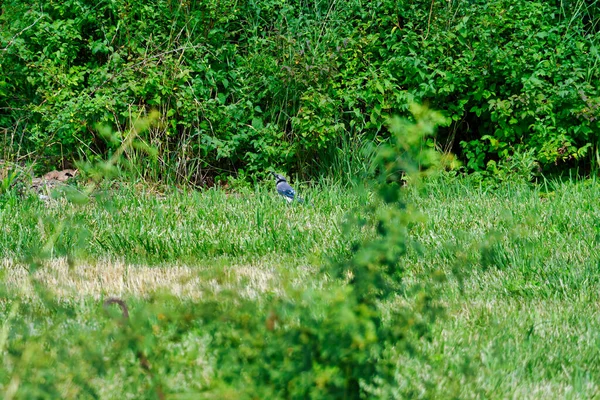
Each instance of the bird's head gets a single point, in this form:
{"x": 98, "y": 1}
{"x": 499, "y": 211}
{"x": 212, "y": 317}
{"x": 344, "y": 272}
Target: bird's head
{"x": 278, "y": 178}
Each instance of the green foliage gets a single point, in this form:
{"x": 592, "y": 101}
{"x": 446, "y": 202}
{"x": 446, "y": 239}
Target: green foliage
{"x": 249, "y": 86}
{"x": 226, "y": 80}
{"x": 506, "y": 73}
{"x": 13, "y": 180}
{"x": 520, "y": 167}
{"x": 9, "y": 178}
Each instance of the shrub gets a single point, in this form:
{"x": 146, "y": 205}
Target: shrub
{"x": 254, "y": 85}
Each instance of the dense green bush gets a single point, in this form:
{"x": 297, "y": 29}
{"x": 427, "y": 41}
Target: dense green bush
{"x": 507, "y": 73}
{"x": 243, "y": 86}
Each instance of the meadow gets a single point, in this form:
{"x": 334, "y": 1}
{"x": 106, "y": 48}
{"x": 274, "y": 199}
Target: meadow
{"x": 519, "y": 294}
{"x": 435, "y": 257}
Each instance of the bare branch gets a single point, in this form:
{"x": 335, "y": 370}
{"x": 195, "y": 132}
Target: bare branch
{"x": 20, "y": 33}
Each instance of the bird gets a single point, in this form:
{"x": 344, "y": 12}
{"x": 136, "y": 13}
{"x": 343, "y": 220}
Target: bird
{"x": 285, "y": 190}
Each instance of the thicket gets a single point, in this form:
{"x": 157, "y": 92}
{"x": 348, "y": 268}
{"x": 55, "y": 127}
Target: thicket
{"x": 304, "y": 86}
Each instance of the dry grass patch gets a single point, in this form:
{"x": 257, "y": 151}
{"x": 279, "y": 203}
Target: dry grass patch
{"x": 116, "y": 278}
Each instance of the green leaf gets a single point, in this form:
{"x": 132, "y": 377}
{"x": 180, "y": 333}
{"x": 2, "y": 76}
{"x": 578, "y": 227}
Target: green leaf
{"x": 257, "y": 123}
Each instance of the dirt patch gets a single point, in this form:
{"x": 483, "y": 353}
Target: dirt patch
{"x": 52, "y": 179}
{"x": 13, "y": 176}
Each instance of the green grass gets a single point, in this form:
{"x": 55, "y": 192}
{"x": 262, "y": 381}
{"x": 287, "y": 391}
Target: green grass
{"x": 521, "y": 300}
{"x": 181, "y": 227}
{"x": 525, "y": 321}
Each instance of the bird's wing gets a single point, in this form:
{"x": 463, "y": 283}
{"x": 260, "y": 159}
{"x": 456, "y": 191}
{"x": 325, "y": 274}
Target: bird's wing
{"x": 286, "y": 190}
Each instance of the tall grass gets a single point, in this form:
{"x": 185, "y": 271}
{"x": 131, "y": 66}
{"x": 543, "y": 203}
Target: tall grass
{"x": 348, "y": 163}
{"x": 521, "y": 316}
{"x": 187, "y": 226}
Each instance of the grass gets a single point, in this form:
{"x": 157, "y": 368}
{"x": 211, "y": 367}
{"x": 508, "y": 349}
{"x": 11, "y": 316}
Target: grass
{"x": 187, "y": 227}
{"x": 521, "y": 298}
{"x": 523, "y": 320}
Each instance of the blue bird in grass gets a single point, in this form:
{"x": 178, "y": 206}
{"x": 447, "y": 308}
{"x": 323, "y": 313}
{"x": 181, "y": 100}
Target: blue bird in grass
{"x": 285, "y": 190}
